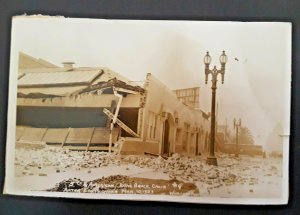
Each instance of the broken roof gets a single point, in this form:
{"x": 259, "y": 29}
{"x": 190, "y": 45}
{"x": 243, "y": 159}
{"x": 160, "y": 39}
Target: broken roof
{"x": 45, "y": 92}
{"x": 45, "y": 82}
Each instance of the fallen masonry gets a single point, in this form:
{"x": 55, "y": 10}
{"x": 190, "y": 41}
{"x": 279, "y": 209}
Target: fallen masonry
{"x": 63, "y": 158}
{"x": 192, "y": 170}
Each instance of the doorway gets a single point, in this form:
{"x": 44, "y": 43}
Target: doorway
{"x": 166, "y": 140}
{"x": 206, "y": 143}
{"x": 197, "y": 144}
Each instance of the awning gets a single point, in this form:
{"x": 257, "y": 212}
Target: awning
{"x": 68, "y": 136}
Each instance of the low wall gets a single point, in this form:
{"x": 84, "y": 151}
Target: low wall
{"x": 244, "y": 149}
{"x": 135, "y": 146}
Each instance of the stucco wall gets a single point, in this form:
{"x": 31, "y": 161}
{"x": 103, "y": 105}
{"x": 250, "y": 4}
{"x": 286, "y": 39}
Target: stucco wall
{"x": 164, "y": 103}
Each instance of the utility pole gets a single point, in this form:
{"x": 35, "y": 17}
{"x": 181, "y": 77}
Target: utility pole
{"x": 237, "y": 125}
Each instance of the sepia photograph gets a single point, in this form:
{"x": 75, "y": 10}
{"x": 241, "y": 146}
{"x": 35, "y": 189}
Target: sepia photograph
{"x": 176, "y": 111}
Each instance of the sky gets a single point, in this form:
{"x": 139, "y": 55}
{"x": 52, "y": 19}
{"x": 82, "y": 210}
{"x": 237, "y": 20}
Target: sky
{"x": 257, "y": 77}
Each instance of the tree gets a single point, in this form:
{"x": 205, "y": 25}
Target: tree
{"x": 245, "y": 136}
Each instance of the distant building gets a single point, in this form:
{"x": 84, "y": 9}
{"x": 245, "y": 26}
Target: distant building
{"x": 88, "y": 108}
{"x": 189, "y": 96}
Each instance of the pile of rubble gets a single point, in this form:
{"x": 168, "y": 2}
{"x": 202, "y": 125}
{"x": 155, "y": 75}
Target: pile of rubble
{"x": 63, "y": 158}
{"x": 229, "y": 171}
{"x": 70, "y": 185}
{"x": 99, "y": 185}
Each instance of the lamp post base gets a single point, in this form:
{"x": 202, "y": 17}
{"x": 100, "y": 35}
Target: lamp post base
{"x": 212, "y": 161}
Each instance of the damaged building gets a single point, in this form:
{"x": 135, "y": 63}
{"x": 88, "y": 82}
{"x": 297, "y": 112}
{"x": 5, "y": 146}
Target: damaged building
{"x": 85, "y": 108}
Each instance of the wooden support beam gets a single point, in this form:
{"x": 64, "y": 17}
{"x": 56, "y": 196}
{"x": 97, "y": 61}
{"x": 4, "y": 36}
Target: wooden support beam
{"x": 120, "y": 123}
{"x": 44, "y": 134}
{"x": 23, "y": 131}
{"x": 63, "y": 143}
{"x": 88, "y": 145}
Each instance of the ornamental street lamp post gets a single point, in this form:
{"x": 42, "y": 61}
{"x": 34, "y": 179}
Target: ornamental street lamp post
{"x": 237, "y": 124}
{"x": 211, "y": 159}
